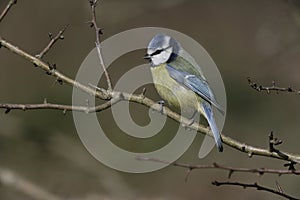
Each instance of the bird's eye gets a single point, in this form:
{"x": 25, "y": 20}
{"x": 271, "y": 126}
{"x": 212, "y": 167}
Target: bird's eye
{"x": 158, "y": 51}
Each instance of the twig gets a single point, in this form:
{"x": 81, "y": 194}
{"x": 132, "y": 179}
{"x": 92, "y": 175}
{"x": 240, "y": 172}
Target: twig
{"x": 256, "y": 186}
{"x": 6, "y": 9}
{"x": 273, "y": 141}
{"x": 53, "y": 40}
{"x": 53, "y": 72}
{"x": 64, "y": 108}
{"x": 231, "y": 170}
{"x": 98, "y": 32}
{"x": 271, "y": 88}
{"x": 10, "y": 179}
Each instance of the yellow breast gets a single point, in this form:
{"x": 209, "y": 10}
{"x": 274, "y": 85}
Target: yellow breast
{"x": 171, "y": 91}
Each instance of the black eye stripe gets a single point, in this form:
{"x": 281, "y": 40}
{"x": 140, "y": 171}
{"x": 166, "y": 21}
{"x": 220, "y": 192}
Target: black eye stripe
{"x": 157, "y": 52}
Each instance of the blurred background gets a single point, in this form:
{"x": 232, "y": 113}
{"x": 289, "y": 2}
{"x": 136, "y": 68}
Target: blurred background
{"x": 258, "y": 38}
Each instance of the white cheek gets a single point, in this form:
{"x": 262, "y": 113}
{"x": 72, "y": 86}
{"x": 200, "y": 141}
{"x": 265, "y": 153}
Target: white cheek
{"x": 161, "y": 58}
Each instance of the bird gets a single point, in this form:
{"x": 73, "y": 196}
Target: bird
{"x": 179, "y": 81}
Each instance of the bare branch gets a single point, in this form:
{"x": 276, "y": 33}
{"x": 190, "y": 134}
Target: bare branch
{"x": 6, "y": 9}
{"x": 231, "y": 170}
{"x": 273, "y": 141}
{"x": 256, "y": 186}
{"x": 64, "y": 108}
{"x": 10, "y": 179}
{"x": 105, "y": 95}
{"x": 98, "y": 32}
{"x": 53, "y": 40}
{"x": 53, "y": 72}
{"x": 271, "y": 88}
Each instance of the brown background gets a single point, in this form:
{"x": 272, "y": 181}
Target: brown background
{"x": 259, "y": 39}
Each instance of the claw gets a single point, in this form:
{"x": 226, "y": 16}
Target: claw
{"x": 161, "y": 103}
{"x": 192, "y": 119}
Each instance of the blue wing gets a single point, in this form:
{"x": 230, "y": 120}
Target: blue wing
{"x": 212, "y": 124}
{"x": 196, "y": 84}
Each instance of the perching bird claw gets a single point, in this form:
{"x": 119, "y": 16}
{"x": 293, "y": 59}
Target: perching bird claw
{"x": 161, "y": 103}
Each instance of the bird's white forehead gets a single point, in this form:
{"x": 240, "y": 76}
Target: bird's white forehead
{"x": 160, "y": 41}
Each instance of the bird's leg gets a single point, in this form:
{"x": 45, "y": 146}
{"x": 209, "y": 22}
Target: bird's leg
{"x": 192, "y": 119}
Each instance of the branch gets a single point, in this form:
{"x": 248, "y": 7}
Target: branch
{"x": 256, "y": 186}
{"x": 98, "y": 32}
{"x": 9, "y": 179}
{"x": 141, "y": 99}
{"x": 64, "y": 108}
{"x": 53, "y": 40}
{"x": 230, "y": 170}
{"x": 271, "y": 88}
{"x": 53, "y": 71}
{"x": 6, "y": 9}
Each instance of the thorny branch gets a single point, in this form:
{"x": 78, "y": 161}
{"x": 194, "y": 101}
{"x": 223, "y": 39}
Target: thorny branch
{"x": 53, "y": 40}
{"x": 64, "y": 108}
{"x": 229, "y": 169}
{"x": 271, "y": 88}
{"x": 256, "y": 186}
{"x": 98, "y": 30}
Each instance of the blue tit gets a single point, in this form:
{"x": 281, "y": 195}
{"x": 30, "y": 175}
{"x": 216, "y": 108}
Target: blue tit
{"x": 179, "y": 82}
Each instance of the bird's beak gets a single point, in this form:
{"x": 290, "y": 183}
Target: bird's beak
{"x": 147, "y": 57}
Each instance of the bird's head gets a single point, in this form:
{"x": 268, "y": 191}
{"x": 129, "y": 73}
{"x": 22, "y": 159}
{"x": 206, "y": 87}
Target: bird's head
{"x": 161, "y": 49}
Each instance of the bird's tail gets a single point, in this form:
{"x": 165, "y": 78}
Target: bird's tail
{"x": 211, "y": 121}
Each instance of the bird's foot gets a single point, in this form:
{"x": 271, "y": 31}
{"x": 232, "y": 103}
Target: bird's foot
{"x": 190, "y": 122}
{"x": 161, "y": 104}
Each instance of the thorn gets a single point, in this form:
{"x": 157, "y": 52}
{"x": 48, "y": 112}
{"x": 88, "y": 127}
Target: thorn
{"x": 250, "y": 154}
{"x": 216, "y": 183}
{"x": 7, "y": 110}
{"x": 271, "y": 137}
{"x": 143, "y": 93}
{"x": 279, "y": 189}
{"x": 273, "y": 83}
{"x": 261, "y": 172}
{"x": 61, "y": 37}
{"x": 100, "y": 31}
{"x": 188, "y": 174}
{"x": 230, "y": 173}
{"x": 91, "y": 2}
{"x": 243, "y": 147}
{"x": 45, "y": 101}
{"x": 290, "y": 165}
{"x": 64, "y": 111}
{"x": 59, "y": 81}
{"x": 50, "y": 35}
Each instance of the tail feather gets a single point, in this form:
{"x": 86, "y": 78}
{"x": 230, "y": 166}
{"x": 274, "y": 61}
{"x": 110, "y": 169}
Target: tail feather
{"x": 211, "y": 121}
